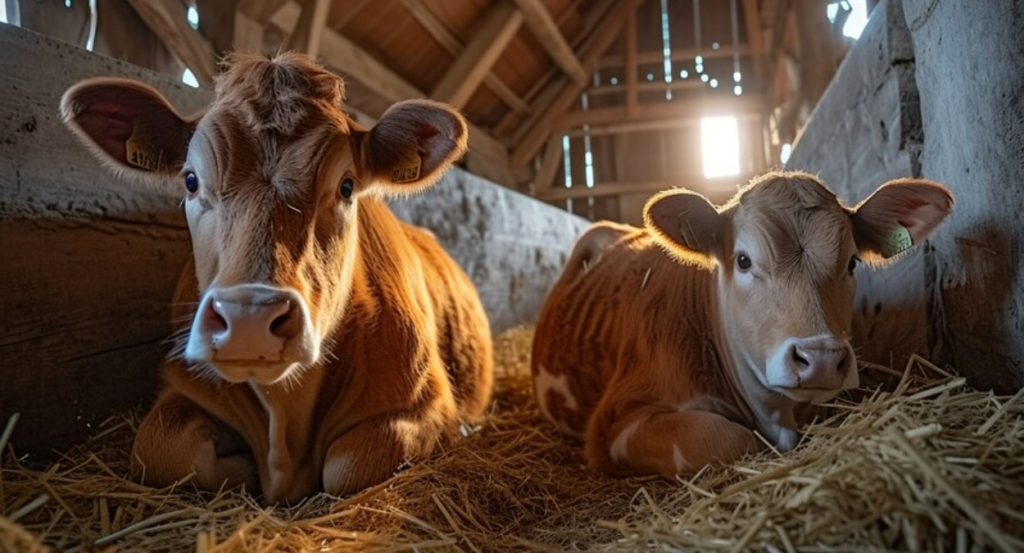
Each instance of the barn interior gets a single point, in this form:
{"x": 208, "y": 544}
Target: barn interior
{"x": 579, "y": 111}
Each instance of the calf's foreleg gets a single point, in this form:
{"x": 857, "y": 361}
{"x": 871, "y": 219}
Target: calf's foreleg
{"x": 660, "y": 440}
{"x": 177, "y": 438}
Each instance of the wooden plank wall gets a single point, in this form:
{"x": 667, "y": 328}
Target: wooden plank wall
{"x": 87, "y": 261}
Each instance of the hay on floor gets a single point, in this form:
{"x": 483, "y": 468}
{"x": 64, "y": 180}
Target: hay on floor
{"x": 919, "y": 463}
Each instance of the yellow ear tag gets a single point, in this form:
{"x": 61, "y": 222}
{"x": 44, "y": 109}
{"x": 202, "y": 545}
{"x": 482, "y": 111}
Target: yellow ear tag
{"x": 408, "y": 169}
{"x": 898, "y": 241}
{"x": 140, "y": 149}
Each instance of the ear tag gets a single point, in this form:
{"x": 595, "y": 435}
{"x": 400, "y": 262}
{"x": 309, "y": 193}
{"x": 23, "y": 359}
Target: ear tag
{"x": 897, "y": 242}
{"x": 408, "y": 169}
{"x": 141, "y": 150}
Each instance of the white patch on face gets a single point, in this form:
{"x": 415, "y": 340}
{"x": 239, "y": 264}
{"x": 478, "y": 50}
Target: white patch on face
{"x": 545, "y": 382}
{"x": 677, "y": 458}
{"x": 619, "y": 451}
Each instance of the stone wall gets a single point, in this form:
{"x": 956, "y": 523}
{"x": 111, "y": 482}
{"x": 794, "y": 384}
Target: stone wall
{"x": 932, "y": 89}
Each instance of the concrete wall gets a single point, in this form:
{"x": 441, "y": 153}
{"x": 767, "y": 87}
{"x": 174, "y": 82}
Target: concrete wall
{"x": 89, "y": 264}
{"x": 931, "y": 89}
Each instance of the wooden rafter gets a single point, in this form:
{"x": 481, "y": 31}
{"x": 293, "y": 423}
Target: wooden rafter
{"x": 309, "y": 30}
{"x": 546, "y": 30}
{"x": 631, "y": 64}
{"x": 701, "y": 107}
{"x": 444, "y": 36}
{"x": 248, "y": 35}
{"x": 755, "y": 38}
{"x": 602, "y": 38}
{"x": 351, "y": 60}
{"x": 167, "y": 20}
{"x": 614, "y": 188}
{"x": 499, "y": 25}
{"x": 678, "y": 54}
{"x": 260, "y": 11}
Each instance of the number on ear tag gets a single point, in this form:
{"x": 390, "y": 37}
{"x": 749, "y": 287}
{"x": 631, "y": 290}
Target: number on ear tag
{"x": 897, "y": 242}
{"x": 408, "y": 170}
{"x": 140, "y": 149}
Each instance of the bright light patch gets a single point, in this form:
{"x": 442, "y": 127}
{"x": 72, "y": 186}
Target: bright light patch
{"x": 704, "y": 77}
{"x": 650, "y": 76}
{"x": 737, "y": 90}
{"x": 736, "y": 76}
{"x": 858, "y": 19}
{"x": 684, "y": 74}
{"x": 189, "y": 78}
{"x": 192, "y": 15}
{"x": 566, "y": 161}
{"x": 831, "y": 11}
{"x": 714, "y": 83}
{"x": 67, "y": 4}
{"x": 614, "y": 81}
{"x": 787, "y": 149}
{"x": 3, "y": 12}
{"x": 715, "y": 45}
{"x": 720, "y": 146}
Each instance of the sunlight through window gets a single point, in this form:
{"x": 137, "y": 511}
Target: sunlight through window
{"x": 192, "y": 15}
{"x": 189, "y": 78}
{"x": 720, "y": 146}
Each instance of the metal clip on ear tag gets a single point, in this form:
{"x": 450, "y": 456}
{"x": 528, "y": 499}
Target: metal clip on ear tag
{"x": 140, "y": 149}
{"x": 897, "y": 242}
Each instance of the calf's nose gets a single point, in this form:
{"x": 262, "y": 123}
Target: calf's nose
{"x": 820, "y": 362}
{"x": 249, "y": 323}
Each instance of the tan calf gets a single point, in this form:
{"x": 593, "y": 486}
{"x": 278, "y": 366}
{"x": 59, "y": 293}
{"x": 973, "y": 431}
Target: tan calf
{"x": 327, "y": 342}
{"x": 665, "y": 348}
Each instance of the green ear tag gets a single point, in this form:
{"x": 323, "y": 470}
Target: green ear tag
{"x": 898, "y": 241}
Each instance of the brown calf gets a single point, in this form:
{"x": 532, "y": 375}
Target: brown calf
{"x": 327, "y": 341}
{"x": 665, "y": 348}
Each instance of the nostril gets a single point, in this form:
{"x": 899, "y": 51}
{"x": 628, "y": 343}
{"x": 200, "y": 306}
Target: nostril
{"x": 799, "y": 359}
{"x": 283, "y": 325}
{"x": 214, "y": 319}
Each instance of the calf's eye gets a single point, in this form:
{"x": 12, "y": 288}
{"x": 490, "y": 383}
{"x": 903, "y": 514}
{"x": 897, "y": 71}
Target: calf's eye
{"x": 854, "y": 260}
{"x": 191, "y": 182}
{"x": 346, "y": 188}
{"x": 743, "y": 262}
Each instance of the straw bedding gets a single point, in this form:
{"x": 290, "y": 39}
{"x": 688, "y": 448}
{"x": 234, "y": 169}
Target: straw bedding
{"x": 914, "y": 462}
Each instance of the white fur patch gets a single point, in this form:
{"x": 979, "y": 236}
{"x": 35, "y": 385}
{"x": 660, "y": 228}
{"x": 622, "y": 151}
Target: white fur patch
{"x": 677, "y": 458}
{"x": 619, "y": 451}
{"x": 545, "y": 382}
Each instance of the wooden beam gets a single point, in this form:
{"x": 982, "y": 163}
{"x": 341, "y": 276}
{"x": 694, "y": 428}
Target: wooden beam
{"x": 443, "y": 35}
{"x": 631, "y": 65}
{"x": 755, "y": 38}
{"x": 343, "y": 12}
{"x": 651, "y": 86}
{"x": 658, "y": 124}
{"x": 260, "y": 10}
{"x": 309, "y": 30}
{"x": 499, "y": 25}
{"x": 603, "y": 36}
{"x": 677, "y": 54}
{"x": 553, "y": 155}
{"x": 716, "y": 105}
{"x": 544, "y": 28}
{"x": 248, "y": 36}
{"x": 614, "y": 188}
{"x": 166, "y": 18}
{"x": 352, "y": 61}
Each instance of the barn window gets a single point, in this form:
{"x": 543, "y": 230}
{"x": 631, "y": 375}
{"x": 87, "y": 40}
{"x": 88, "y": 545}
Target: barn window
{"x": 720, "y": 146}
{"x": 787, "y": 149}
{"x": 857, "y": 19}
{"x": 3, "y": 12}
{"x": 189, "y": 78}
{"x": 192, "y": 15}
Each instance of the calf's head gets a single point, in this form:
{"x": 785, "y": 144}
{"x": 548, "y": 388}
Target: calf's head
{"x": 272, "y": 175}
{"x": 785, "y": 252}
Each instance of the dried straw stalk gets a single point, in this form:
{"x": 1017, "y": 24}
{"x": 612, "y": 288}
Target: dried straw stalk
{"x": 917, "y": 464}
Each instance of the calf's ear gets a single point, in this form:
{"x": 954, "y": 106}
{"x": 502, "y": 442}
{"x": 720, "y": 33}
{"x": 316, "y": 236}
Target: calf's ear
{"x": 686, "y": 224}
{"x": 899, "y": 215}
{"x": 413, "y": 144}
{"x": 127, "y": 125}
